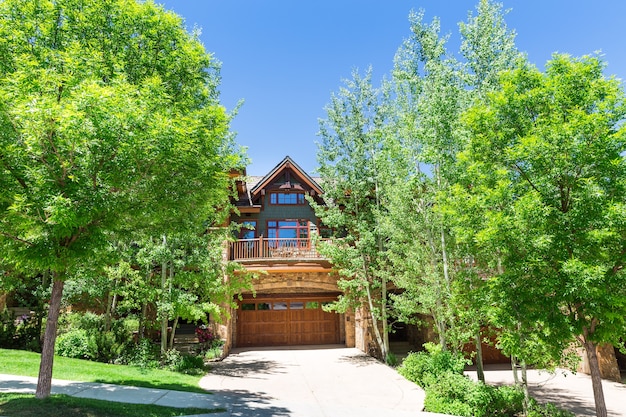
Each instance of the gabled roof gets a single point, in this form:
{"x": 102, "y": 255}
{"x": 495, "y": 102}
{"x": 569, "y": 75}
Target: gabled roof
{"x": 286, "y": 163}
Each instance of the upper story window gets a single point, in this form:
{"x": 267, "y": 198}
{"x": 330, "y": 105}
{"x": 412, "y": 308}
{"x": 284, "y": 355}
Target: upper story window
{"x": 286, "y": 198}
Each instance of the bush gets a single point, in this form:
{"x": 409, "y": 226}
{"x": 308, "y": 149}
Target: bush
{"x": 547, "y": 410}
{"x": 19, "y": 332}
{"x": 144, "y": 354}
{"x": 109, "y": 345}
{"x": 457, "y": 395}
{"x": 449, "y": 395}
{"x": 507, "y": 401}
{"x": 425, "y": 368}
{"x": 214, "y": 352}
{"x": 76, "y": 344}
{"x": 173, "y": 360}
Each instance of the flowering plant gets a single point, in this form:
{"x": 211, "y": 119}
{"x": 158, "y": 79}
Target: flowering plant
{"x": 204, "y": 333}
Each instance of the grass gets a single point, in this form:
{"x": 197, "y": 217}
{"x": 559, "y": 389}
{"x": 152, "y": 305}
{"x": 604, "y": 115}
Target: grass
{"x": 26, "y": 405}
{"x": 19, "y": 362}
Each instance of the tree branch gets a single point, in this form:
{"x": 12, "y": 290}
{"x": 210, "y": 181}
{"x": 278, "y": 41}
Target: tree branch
{"x": 17, "y": 239}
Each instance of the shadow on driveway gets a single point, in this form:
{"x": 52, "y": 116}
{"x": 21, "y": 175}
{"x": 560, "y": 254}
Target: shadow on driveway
{"x": 246, "y": 368}
{"x": 252, "y": 404}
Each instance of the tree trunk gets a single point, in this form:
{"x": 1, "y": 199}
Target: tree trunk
{"x": 379, "y": 340}
{"x": 596, "y": 378}
{"x": 142, "y": 320}
{"x": 107, "y": 314}
{"x": 480, "y": 372}
{"x": 173, "y": 334}
{"x": 526, "y": 403}
{"x": 514, "y": 369}
{"x": 44, "y": 382}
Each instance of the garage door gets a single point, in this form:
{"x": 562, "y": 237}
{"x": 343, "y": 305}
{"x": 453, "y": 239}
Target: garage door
{"x": 292, "y": 321}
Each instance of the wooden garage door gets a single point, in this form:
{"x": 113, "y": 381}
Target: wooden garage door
{"x": 276, "y": 322}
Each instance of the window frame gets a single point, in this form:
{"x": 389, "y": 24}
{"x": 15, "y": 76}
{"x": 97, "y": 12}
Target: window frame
{"x": 274, "y": 198}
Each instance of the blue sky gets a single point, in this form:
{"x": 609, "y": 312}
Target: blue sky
{"x": 284, "y": 58}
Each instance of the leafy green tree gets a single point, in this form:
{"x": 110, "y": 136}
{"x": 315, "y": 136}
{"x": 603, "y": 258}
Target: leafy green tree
{"x": 557, "y": 143}
{"x": 429, "y": 94}
{"x": 434, "y": 89}
{"x": 109, "y": 122}
{"x": 352, "y": 165}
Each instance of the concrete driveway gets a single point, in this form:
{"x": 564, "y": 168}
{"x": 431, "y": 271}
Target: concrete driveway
{"x": 324, "y": 381}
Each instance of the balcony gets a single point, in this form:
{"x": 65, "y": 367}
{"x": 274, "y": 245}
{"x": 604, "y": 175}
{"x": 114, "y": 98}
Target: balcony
{"x": 273, "y": 249}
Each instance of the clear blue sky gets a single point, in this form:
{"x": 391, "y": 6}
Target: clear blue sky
{"x": 284, "y": 58}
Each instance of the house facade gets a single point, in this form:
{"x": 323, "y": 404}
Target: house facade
{"x": 277, "y": 239}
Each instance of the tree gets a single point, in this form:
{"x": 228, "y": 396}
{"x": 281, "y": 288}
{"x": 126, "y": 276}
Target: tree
{"x": 109, "y": 122}
{"x": 434, "y": 89}
{"x": 352, "y": 166}
{"x": 557, "y": 143}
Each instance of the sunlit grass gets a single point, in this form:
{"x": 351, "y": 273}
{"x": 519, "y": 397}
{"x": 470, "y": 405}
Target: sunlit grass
{"x": 19, "y": 362}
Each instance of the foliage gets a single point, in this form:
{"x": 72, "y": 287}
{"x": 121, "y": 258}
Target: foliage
{"x": 143, "y": 354}
{"x": 174, "y": 361}
{"x": 458, "y": 395}
{"x": 92, "y": 340}
{"x": 547, "y": 410}
{"x": 25, "y": 405}
{"x": 205, "y": 334}
{"x": 18, "y": 332}
{"x": 78, "y": 344}
{"x": 548, "y": 148}
{"x": 392, "y": 359}
{"x": 352, "y": 158}
{"x": 215, "y": 351}
{"x": 110, "y": 123}
{"x": 426, "y": 367}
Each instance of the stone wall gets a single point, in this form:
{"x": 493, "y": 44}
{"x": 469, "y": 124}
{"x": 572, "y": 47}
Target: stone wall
{"x": 296, "y": 283}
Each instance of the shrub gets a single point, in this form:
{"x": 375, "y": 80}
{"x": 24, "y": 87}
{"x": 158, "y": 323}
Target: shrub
{"x": 143, "y": 354}
{"x": 457, "y": 395}
{"x": 173, "y": 360}
{"x": 547, "y": 410}
{"x": 76, "y": 344}
{"x": 19, "y": 332}
{"x": 507, "y": 401}
{"x": 391, "y": 359}
{"x": 214, "y": 352}
{"x": 425, "y": 368}
{"x": 109, "y": 345}
{"x": 448, "y": 395}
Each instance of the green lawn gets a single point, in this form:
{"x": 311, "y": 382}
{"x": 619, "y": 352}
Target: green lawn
{"x": 19, "y": 362}
{"x": 25, "y": 405}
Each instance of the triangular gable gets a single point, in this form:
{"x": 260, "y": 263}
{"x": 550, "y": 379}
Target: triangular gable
{"x": 278, "y": 170}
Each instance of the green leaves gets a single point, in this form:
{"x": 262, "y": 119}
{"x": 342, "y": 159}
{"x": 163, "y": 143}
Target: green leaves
{"x": 556, "y": 137}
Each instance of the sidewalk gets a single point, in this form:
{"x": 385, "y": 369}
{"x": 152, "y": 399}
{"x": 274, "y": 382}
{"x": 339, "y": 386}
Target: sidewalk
{"x": 119, "y": 393}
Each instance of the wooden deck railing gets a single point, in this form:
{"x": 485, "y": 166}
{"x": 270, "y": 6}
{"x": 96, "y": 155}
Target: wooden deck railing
{"x": 272, "y": 248}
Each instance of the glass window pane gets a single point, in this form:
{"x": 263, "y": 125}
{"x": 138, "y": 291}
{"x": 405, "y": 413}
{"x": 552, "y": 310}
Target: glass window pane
{"x": 288, "y": 233}
{"x": 247, "y": 306}
{"x": 287, "y": 223}
{"x": 296, "y": 305}
{"x": 263, "y": 306}
{"x": 280, "y": 305}
{"x": 312, "y": 305}
{"x": 271, "y": 224}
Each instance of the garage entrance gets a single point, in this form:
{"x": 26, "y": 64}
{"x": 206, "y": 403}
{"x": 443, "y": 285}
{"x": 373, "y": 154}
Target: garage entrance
{"x": 286, "y": 321}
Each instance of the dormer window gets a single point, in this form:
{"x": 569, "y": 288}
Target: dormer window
{"x": 284, "y": 198}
